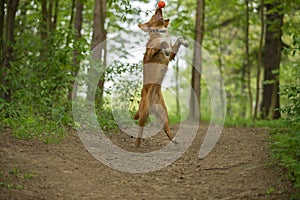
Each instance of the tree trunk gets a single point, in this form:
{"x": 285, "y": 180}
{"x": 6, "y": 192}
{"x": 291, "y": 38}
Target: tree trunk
{"x": 259, "y": 62}
{"x": 43, "y": 26}
{"x": 23, "y": 16}
{"x": 2, "y": 14}
{"x": 54, "y": 22}
{"x": 43, "y": 30}
{"x": 243, "y": 89}
{"x": 99, "y": 36}
{"x": 47, "y": 24}
{"x": 177, "y": 76}
{"x": 197, "y": 62}
{"x": 49, "y": 16}
{"x": 75, "y": 60}
{"x": 177, "y": 87}
{"x": 1, "y": 28}
{"x": 8, "y": 50}
{"x": 220, "y": 66}
{"x": 99, "y": 32}
{"x": 78, "y": 27}
{"x": 72, "y": 14}
{"x": 248, "y": 67}
{"x": 273, "y": 46}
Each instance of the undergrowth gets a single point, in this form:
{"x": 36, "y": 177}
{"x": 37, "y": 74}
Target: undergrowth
{"x": 286, "y": 146}
{"x": 26, "y": 123}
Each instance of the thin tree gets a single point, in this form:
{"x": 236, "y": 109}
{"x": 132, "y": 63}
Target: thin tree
{"x": 55, "y": 16}
{"x": 75, "y": 59}
{"x": 177, "y": 74}
{"x": 99, "y": 36}
{"x": 43, "y": 25}
{"x": 259, "y": 62}
{"x": 8, "y": 50}
{"x": 197, "y": 62}
{"x": 72, "y": 14}
{"x": 220, "y": 65}
{"x": 248, "y": 66}
{"x": 1, "y": 31}
{"x": 47, "y": 24}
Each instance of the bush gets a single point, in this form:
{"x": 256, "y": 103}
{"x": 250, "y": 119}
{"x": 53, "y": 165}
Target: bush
{"x": 286, "y": 147}
{"x": 26, "y": 123}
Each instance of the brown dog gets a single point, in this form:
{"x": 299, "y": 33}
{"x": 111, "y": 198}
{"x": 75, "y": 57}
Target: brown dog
{"x": 159, "y": 51}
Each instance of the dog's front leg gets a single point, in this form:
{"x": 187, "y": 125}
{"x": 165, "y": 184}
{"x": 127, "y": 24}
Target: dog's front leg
{"x": 150, "y": 53}
{"x": 153, "y": 48}
{"x": 176, "y": 46}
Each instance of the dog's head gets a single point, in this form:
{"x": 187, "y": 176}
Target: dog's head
{"x": 156, "y": 23}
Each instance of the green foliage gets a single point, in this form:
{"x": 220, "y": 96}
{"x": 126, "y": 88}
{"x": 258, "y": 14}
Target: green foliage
{"x": 28, "y": 123}
{"x": 40, "y": 79}
{"x": 11, "y": 179}
{"x": 270, "y": 190}
{"x": 106, "y": 119}
{"x": 121, "y": 97}
{"x": 286, "y": 147}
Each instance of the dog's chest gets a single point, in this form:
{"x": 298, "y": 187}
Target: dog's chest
{"x": 158, "y": 50}
{"x": 154, "y": 73}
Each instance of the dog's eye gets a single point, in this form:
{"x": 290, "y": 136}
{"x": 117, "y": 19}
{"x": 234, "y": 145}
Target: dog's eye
{"x": 164, "y": 45}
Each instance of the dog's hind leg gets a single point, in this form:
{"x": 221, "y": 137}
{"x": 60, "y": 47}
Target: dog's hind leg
{"x": 142, "y": 121}
{"x": 168, "y": 132}
{"x": 142, "y": 115}
{"x": 164, "y": 118}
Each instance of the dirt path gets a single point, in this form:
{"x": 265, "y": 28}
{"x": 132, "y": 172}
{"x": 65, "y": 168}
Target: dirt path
{"x": 238, "y": 168}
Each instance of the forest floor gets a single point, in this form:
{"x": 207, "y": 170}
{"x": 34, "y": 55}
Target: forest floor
{"x": 239, "y": 167}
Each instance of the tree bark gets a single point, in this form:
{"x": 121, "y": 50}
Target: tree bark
{"x": 99, "y": 36}
{"x": 75, "y": 60}
{"x": 248, "y": 67}
{"x": 55, "y": 16}
{"x": 99, "y": 32}
{"x": 273, "y": 46}
{"x": 72, "y": 14}
{"x": 197, "y": 62}
{"x": 43, "y": 30}
{"x": 259, "y": 62}
{"x": 2, "y": 75}
{"x": 177, "y": 75}
{"x": 49, "y": 16}
{"x": 220, "y": 66}
{"x": 43, "y": 25}
{"x": 177, "y": 87}
{"x": 8, "y": 50}
{"x": 47, "y": 24}
{"x": 23, "y": 16}
{"x": 1, "y": 28}
{"x": 78, "y": 27}
{"x": 243, "y": 89}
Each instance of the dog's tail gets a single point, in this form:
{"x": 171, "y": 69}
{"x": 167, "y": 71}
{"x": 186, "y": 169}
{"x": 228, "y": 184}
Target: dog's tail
{"x": 137, "y": 115}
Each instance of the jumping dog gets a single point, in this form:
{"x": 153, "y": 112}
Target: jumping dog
{"x": 159, "y": 52}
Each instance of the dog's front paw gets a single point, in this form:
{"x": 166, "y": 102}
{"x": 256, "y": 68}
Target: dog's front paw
{"x": 183, "y": 42}
{"x": 137, "y": 142}
{"x": 175, "y": 141}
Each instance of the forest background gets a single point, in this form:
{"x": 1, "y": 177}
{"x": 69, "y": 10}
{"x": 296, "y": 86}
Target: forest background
{"x": 254, "y": 43}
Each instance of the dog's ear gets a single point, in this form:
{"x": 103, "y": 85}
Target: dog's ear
{"x": 166, "y": 22}
{"x": 145, "y": 27}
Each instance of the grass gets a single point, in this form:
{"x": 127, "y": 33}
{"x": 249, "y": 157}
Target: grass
{"x": 29, "y": 126}
{"x": 12, "y": 179}
{"x": 241, "y": 122}
{"x": 286, "y": 151}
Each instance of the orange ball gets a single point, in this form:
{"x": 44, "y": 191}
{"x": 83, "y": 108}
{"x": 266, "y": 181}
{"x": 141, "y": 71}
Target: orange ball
{"x": 161, "y": 4}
